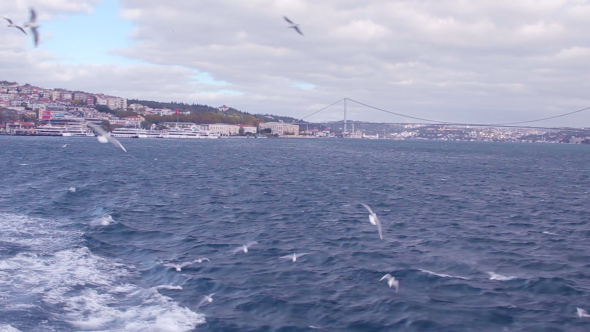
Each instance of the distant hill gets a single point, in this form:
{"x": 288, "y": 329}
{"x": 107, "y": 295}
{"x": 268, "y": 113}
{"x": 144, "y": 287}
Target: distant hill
{"x": 207, "y": 114}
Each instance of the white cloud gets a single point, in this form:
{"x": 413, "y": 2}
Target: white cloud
{"x": 452, "y": 60}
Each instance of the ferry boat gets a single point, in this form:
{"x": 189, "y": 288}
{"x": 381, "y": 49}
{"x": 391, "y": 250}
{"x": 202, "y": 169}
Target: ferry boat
{"x": 136, "y": 133}
{"x": 66, "y": 131}
{"x": 179, "y": 133}
{"x": 126, "y": 132}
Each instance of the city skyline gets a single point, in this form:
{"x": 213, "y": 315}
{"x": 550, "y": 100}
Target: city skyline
{"x": 485, "y": 62}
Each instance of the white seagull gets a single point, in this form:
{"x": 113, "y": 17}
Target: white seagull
{"x": 391, "y": 281}
{"x": 105, "y": 137}
{"x": 245, "y": 247}
{"x": 294, "y": 256}
{"x": 65, "y": 145}
{"x": 582, "y": 313}
{"x": 200, "y": 260}
{"x": 178, "y": 267}
{"x": 373, "y": 219}
{"x": 12, "y": 25}
{"x": 293, "y": 25}
{"x": 207, "y": 298}
{"x": 34, "y": 26}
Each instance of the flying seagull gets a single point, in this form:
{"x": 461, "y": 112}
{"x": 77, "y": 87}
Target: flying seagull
{"x": 373, "y": 219}
{"x": 34, "y": 26}
{"x": 12, "y": 25}
{"x": 582, "y": 313}
{"x": 200, "y": 260}
{"x": 178, "y": 267}
{"x": 391, "y": 281}
{"x": 105, "y": 137}
{"x": 245, "y": 247}
{"x": 207, "y": 298}
{"x": 293, "y": 25}
{"x": 294, "y": 256}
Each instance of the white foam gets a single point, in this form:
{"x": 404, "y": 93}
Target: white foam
{"x": 8, "y": 328}
{"x": 442, "y": 275}
{"x": 86, "y": 291}
{"x": 169, "y": 287}
{"x": 499, "y": 277}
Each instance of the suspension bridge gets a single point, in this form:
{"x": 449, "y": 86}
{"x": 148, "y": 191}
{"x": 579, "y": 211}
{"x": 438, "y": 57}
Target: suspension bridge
{"x": 520, "y": 124}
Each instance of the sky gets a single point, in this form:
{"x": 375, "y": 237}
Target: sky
{"x": 463, "y": 61}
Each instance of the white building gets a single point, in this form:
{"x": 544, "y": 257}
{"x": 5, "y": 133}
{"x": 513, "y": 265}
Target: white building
{"x": 223, "y": 129}
{"x": 280, "y": 128}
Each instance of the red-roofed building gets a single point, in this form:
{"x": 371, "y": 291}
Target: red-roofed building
{"x": 19, "y": 128}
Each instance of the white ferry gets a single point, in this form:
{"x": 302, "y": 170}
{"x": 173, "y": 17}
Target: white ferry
{"x": 135, "y": 133}
{"x": 66, "y": 131}
{"x": 178, "y": 133}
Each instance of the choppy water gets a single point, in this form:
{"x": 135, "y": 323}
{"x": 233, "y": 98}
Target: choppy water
{"x": 481, "y": 236}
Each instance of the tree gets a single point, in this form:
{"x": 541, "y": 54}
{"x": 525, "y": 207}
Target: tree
{"x": 104, "y": 109}
{"x": 266, "y": 131}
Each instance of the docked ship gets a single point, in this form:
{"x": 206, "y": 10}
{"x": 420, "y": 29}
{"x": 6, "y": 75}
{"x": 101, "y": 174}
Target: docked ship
{"x": 66, "y": 131}
{"x": 136, "y": 133}
{"x": 179, "y": 133}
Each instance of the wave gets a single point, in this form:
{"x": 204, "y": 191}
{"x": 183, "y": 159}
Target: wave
{"x": 74, "y": 286}
{"x": 499, "y": 277}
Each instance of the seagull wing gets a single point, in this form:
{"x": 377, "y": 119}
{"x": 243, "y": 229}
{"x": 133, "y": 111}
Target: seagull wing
{"x": 387, "y": 276}
{"x": 21, "y": 29}
{"x": 287, "y": 256}
{"x": 97, "y": 129}
{"x": 35, "y": 36}
{"x": 9, "y": 20}
{"x": 288, "y": 20}
{"x": 297, "y": 29}
{"x": 116, "y": 142}
{"x": 33, "y": 16}
{"x": 202, "y": 301}
{"x": 379, "y": 229}
{"x": 367, "y": 207}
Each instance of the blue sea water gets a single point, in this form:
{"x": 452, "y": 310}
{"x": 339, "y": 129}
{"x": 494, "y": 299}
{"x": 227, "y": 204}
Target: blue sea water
{"x": 481, "y": 236}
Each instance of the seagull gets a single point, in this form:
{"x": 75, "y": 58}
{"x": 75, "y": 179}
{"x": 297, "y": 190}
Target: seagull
{"x": 582, "y": 313}
{"x": 207, "y": 298}
{"x": 391, "y": 281}
{"x": 105, "y": 137}
{"x": 200, "y": 260}
{"x": 65, "y": 145}
{"x": 34, "y": 26}
{"x": 294, "y": 256}
{"x": 12, "y": 25}
{"x": 178, "y": 267}
{"x": 293, "y": 25}
{"x": 373, "y": 219}
{"x": 245, "y": 247}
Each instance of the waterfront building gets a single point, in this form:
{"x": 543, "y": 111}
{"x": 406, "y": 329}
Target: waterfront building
{"x": 280, "y": 128}
{"x": 223, "y": 129}
{"x": 248, "y": 129}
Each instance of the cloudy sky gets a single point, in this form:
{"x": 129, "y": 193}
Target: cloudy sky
{"x": 468, "y": 61}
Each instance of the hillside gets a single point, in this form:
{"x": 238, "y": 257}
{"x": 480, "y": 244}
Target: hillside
{"x": 206, "y": 114}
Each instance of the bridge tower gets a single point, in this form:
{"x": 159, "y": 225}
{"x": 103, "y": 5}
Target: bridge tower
{"x": 345, "y": 115}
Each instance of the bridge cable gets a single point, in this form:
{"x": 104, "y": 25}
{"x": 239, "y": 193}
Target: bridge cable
{"x": 468, "y": 124}
{"x": 316, "y": 112}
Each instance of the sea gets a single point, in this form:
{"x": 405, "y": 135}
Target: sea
{"x": 480, "y": 236}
